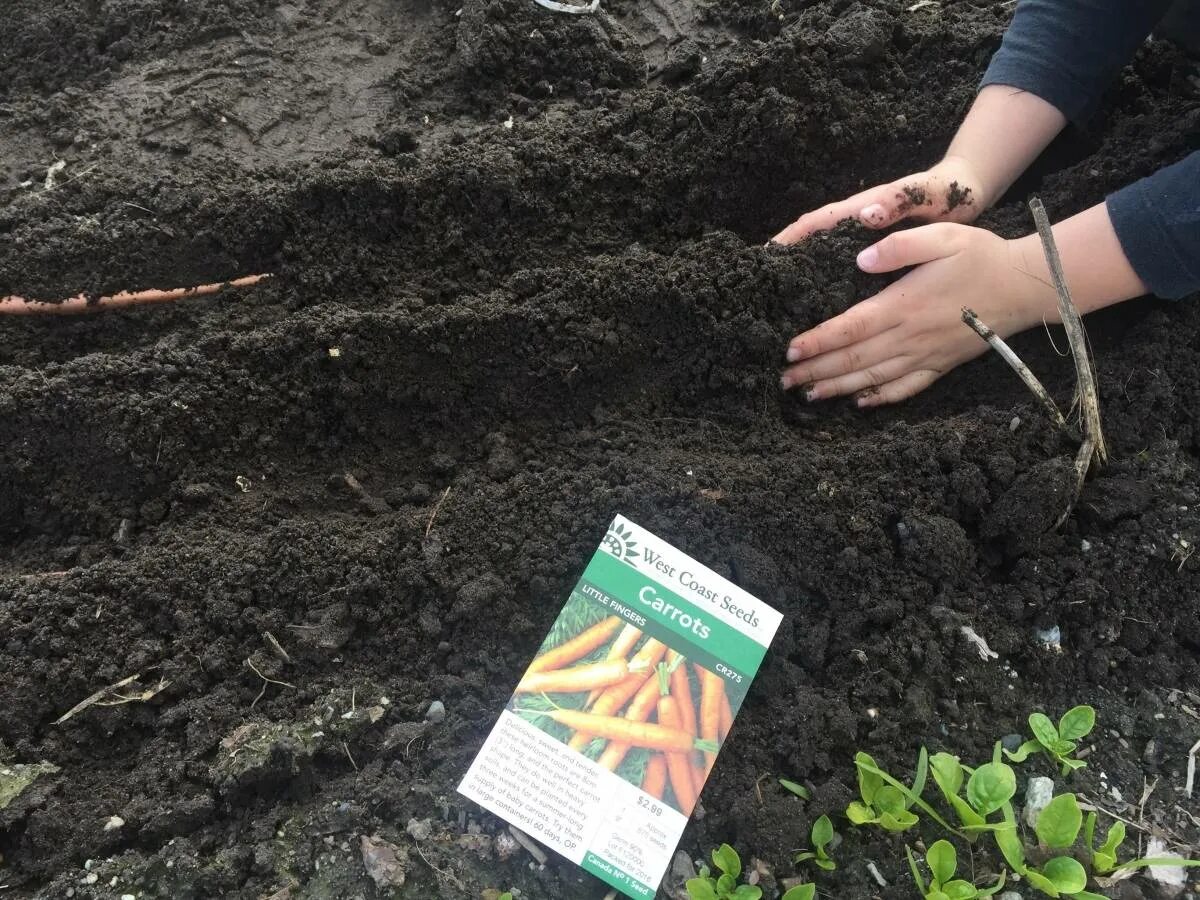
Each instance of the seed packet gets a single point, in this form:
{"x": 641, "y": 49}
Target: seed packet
{"x": 613, "y": 730}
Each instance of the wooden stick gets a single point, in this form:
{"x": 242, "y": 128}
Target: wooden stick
{"x": 1085, "y": 374}
{"x": 1006, "y": 353}
{"x": 20, "y": 306}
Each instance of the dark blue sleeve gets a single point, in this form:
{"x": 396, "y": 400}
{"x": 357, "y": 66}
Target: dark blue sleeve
{"x": 1157, "y": 221}
{"x": 1068, "y": 51}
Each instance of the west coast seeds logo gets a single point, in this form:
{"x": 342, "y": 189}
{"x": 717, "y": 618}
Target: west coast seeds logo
{"x": 619, "y": 542}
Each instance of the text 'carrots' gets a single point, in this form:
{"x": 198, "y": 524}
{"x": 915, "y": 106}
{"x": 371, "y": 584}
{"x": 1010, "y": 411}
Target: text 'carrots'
{"x": 578, "y": 678}
{"x": 13, "y": 305}
{"x": 578, "y": 647}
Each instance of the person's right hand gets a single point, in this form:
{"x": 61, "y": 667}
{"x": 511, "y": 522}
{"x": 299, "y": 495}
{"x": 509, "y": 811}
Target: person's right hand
{"x": 948, "y": 192}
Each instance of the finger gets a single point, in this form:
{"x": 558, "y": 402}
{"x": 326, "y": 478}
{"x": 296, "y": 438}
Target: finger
{"x": 897, "y": 201}
{"x": 911, "y": 248}
{"x": 839, "y": 362}
{"x": 821, "y": 219}
{"x": 859, "y": 323}
{"x": 864, "y": 379}
{"x": 900, "y": 389}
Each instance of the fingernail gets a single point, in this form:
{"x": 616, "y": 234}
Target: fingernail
{"x": 785, "y": 382}
{"x": 872, "y": 214}
{"x": 868, "y": 259}
{"x": 810, "y": 394}
{"x": 793, "y": 354}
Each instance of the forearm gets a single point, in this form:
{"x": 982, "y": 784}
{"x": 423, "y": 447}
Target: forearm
{"x": 1097, "y": 270}
{"x": 1005, "y": 130}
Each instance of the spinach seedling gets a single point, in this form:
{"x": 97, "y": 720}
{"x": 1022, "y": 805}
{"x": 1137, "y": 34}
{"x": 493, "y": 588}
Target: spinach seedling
{"x": 1104, "y": 857}
{"x": 942, "y": 860}
{"x": 887, "y": 802}
{"x": 798, "y": 789}
{"x": 1057, "y": 828}
{"x": 801, "y": 892}
{"x": 988, "y": 788}
{"x": 1058, "y": 741}
{"x": 822, "y": 834}
{"x": 725, "y": 886}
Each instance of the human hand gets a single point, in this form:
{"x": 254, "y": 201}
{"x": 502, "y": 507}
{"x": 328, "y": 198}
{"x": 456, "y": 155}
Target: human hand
{"x": 900, "y": 341}
{"x": 951, "y": 191}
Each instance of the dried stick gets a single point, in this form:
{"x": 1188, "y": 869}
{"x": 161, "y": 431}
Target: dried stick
{"x": 1085, "y": 374}
{"x": 1006, "y": 353}
{"x": 13, "y": 305}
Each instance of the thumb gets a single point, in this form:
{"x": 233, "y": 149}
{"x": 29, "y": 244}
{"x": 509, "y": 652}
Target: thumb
{"x": 911, "y": 248}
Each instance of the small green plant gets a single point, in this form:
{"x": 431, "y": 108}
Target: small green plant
{"x": 1058, "y": 741}
{"x": 507, "y": 895}
{"x": 822, "y": 834}
{"x": 942, "y": 860}
{"x": 886, "y": 801}
{"x": 1104, "y": 857}
{"x": 724, "y": 886}
{"x": 801, "y": 892}
{"x": 987, "y": 789}
{"x": 798, "y": 789}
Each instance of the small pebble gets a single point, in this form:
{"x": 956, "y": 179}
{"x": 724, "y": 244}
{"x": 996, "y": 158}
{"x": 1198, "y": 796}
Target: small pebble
{"x": 436, "y": 712}
{"x": 1014, "y": 424}
{"x": 113, "y": 823}
{"x": 1085, "y": 545}
{"x": 1038, "y": 794}
{"x": 419, "y": 829}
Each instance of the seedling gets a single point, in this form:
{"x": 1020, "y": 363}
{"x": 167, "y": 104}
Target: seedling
{"x": 1104, "y": 857}
{"x": 1058, "y": 742}
{"x": 886, "y": 801}
{"x": 725, "y": 886}
{"x": 822, "y": 834}
{"x": 942, "y": 860}
{"x": 988, "y": 788}
{"x": 801, "y": 892}
{"x": 798, "y": 789}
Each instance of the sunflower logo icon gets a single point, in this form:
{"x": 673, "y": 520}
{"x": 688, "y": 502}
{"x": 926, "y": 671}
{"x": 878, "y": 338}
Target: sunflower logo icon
{"x": 620, "y": 543}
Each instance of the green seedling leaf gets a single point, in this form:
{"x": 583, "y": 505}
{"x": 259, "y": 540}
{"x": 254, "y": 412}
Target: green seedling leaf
{"x": 701, "y": 889}
{"x": 1067, "y": 875}
{"x": 858, "y": 814}
{"x": 961, "y": 890}
{"x": 918, "y": 785}
{"x": 1023, "y": 751}
{"x": 801, "y": 892}
{"x": 916, "y": 873}
{"x": 1041, "y": 882}
{"x": 727, "y": 860}
{"x": 990, "y": 787}
{"x": 1104, "y": 857}
{"x": 798, "y": 789}
{"x": 822, "y": 832}
{"x": 1088, "y": 895}
{"x": 947, "y": 773}
{"x": 747, "y": 892}
{"x": 726, "y": 885}
{"x": 869, "y": 781}
{"x": 917, "y": 801}
{"x": 942, "y": 860}
{"x": 890, "y": 800}
{"x": 1077, "y": 723}
{"x": 1009, "y": 842}
{"x": 897, "y": 822}
{"x": 1059, "y": 823}
{"x": 1043, "y": 729}
{"x": 1160, "y": 861}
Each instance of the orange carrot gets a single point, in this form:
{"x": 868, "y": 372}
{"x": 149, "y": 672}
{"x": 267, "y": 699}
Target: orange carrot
{"x": 577, "y": 647}
{"x": 712, "y": 689}
{"x": 639, "y": 710}
{"x": 83, "y": 303}
{"x": 655, "y": 778}
{"x": 640, "y": 734}
{"x": 615, "y": 697}
{"x": 679, "y": 767}
{"x": 576, "y": 678}
{"x": 726, "y": 717}
{"x": 681, "y": 690}
{"x": 620, "y": 649}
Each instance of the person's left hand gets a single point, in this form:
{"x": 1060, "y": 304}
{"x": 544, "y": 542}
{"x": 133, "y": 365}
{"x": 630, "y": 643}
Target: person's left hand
{"x": 900, "y": 341}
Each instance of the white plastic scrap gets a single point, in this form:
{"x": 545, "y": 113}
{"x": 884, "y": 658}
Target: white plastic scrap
{"x": 985, "y": 652}
{"x": 1170, "y": 879}
{"x": 569, "y": 8}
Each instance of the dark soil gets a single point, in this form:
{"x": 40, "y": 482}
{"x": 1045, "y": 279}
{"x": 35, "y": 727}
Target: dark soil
{"x": 520, "y": 287}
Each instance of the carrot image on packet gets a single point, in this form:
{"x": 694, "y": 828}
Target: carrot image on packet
{"x": 605, "y": 745}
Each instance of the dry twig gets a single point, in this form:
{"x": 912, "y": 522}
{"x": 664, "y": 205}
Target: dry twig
{"x": 433, "y": 515}
{"x": 101, "y": 697}
{"x": 1009, "y": 356}
{"x": 1191, "y": 769}
{"x": 266, "y": 681}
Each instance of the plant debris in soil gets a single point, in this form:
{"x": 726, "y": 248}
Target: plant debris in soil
{"x": 520, "y": 286}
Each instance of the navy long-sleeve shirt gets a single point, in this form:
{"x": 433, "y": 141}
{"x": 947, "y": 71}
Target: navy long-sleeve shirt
{"x": 1067, "y": 52}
